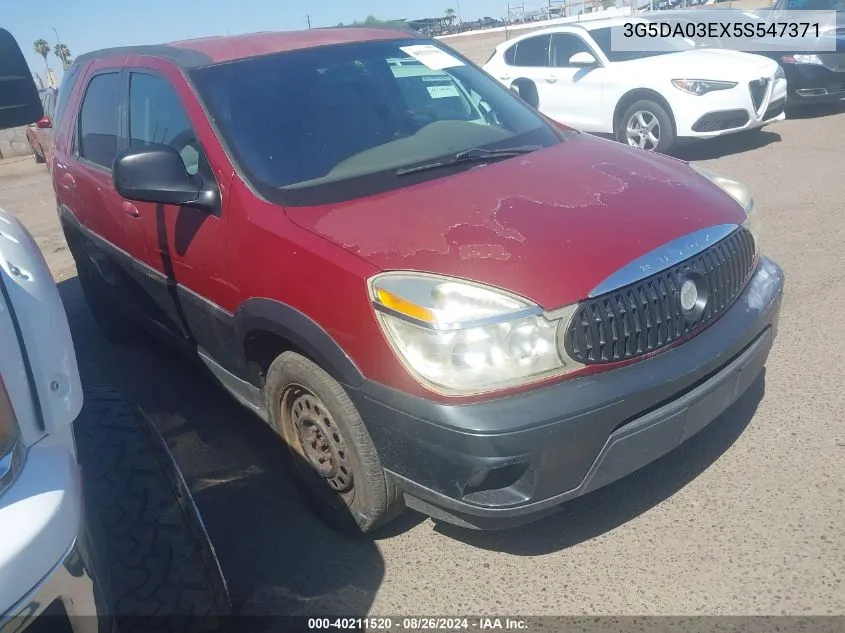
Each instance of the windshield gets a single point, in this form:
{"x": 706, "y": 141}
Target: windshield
{"x": 650, "y": 46}
{"x": 336, "y": 122}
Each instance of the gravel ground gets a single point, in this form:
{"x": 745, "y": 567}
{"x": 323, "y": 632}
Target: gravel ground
{"x": 746, "y": 518}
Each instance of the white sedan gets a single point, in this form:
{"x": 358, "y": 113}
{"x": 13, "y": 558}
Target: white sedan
{"x": 579, "y": 75}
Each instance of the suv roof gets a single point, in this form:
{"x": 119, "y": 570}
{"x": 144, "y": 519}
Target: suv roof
{"x": 212, "y": 50}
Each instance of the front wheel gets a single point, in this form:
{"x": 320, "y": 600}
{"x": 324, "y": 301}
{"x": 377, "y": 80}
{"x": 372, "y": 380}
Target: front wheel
{"x": 647, "y": 125}
{"x": 332, "y": 457}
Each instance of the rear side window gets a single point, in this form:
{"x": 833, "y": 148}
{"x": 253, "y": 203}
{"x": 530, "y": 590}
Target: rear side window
{"x": 98, "y": 121}
{"x": 510, "y": 55}
{"x": 533, "y": 52}
{"x": 157, "y": 117}
{"x": 66, "y": 88}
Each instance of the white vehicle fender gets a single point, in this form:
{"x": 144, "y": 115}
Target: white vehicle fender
{"x": 41, "y": 326}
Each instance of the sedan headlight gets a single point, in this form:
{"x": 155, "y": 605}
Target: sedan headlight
{"x": 779, "y": 74}
{"x": 462, "y": 338}
{"x": 700, "y": 87}
{"x": 741, "y": 194}
{"x": 815, "y": 60}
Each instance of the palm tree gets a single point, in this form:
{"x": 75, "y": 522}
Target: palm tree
{"x": 43, "y": 48}
{"x": 450, "y": 15}
{"x": 63, "y": 53}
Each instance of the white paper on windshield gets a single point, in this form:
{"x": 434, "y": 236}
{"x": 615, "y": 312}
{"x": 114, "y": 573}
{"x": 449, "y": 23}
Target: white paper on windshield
{"x": 439, "y": 92}
{"x": 431, "y": 56}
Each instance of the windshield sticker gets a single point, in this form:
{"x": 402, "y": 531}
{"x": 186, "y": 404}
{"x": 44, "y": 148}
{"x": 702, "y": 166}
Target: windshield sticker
{"x": 431, "y": 56}
{"x": 439, "y": 92}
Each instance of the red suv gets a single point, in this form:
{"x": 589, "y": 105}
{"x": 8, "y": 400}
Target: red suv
{"x": 437, "y": 297}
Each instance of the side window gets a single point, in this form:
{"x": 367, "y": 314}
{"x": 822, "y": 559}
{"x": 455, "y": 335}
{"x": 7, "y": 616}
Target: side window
{"x": 564, "y": 46}
{"x": 65, "y": 89}
{"x": 157, "y": 117}
{"x": 510, "y": 55}
{"x": 533, "y": 52}
{"x": 98, "y": 120}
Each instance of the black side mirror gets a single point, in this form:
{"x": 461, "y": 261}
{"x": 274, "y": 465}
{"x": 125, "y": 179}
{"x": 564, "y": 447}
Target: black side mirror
{"x": 158, "y": 175}
{"x": 19, "y": 101}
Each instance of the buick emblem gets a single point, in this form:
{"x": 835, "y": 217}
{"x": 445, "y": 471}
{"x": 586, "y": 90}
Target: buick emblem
{"x": 689, "y": 295}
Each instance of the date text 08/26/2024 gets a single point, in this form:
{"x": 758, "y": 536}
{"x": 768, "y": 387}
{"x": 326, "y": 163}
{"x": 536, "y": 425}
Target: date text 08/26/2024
{"x": 418, "y": 624}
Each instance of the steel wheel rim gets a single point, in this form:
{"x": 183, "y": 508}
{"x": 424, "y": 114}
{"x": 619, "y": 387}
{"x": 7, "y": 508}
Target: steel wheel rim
{"x": 643, "y": 130}
{"x": 318, "y": 442}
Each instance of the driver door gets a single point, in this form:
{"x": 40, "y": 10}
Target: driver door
{"x": 578, "y": 99}
{"x": 186, "y": 253}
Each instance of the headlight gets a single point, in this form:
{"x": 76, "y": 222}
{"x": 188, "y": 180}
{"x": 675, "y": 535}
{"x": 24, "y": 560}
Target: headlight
{"x": 461, "y": 338}
{"x": 9, "y": 437}
{"x": 700, "y": 87}
{"x": 741, "y": 194}
{"x": 802, "y": 59}
{"x": 779, "y": 74}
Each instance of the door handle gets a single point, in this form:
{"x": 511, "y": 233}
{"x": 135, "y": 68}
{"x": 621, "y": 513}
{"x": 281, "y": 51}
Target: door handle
{"x": 504, "y": 77}
{"x": 67, "y": 182}
{"x": 551, "y": 80}
{"x": 130, "y": 209}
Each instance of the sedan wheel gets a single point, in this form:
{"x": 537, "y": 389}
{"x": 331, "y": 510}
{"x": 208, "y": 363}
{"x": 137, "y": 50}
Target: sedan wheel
{"x": 643, "y": 130}
{"x": 647, "y": 125}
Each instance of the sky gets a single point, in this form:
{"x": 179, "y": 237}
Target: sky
{"x": 86, "y": 25}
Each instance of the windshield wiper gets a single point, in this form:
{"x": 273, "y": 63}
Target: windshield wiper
{"x": 472, "y": 155}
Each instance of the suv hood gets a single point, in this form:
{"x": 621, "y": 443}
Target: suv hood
{"x": 550, "y": 225}
{"x": 705, "y": 63}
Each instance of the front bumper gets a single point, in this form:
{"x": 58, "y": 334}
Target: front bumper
{"x": 46, "y": 545}
{"x": 809, "y": 83}
{"x": 508, "y": 461}
{"x": 727, "y": 111}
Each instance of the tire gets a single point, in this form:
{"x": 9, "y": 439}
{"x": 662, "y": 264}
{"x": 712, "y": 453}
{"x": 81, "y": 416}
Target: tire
{"x": 39, "y": 159}
{"x": 163, "y": 572}
{"x": 114, "y": 326}
{"x": 650, "y": 111}
{"x": 526, "y": 90}
{"x": 354, "y": 494}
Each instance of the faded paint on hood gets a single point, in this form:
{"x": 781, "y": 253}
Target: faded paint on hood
{"x": 550, "y": 225}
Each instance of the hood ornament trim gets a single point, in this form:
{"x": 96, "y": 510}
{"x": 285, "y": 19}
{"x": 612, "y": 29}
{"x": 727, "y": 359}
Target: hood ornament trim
{"x": 664, "y": 257}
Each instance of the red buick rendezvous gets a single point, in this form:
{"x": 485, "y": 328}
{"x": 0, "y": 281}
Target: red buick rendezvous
{"x": 437, "y": 297}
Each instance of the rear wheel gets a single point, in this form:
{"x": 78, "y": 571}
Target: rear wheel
{"x": 114, "y": 326}
{"x": 646, "y": 124}
{"x": 332, "y": 457}
{"x": 526, "y": 90}
{"x": 38, "y": 157}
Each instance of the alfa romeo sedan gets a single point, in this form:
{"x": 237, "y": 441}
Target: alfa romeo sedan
{"x": 436, "y": 296}
{"x": 649, "y": 92}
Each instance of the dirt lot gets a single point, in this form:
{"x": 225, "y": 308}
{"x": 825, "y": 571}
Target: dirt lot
{"x": 746, "y": 518}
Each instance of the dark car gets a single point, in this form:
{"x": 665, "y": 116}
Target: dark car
{"x": 436, "y": 296}
{"x": 811, "y": 76}
{"x": 40, "y": 134}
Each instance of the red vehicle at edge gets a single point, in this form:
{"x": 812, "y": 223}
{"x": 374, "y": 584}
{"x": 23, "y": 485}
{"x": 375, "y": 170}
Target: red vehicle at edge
{"x": 40, "y": 134}
{"x": 436, "y": 296}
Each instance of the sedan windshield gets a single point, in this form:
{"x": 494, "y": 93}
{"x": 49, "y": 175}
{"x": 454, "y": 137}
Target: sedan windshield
{"x": 649, "y": 46}
{"x": 336, "y": 122}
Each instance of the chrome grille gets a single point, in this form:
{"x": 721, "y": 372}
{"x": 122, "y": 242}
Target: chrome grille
{"x": 646, "y": 316}
{"x": 758, "y": 92}
{"x": 833, "y": 61}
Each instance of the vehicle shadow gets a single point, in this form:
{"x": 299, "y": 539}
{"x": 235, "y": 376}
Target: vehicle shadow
{"x": 605, "y": 509}
{"x": 725, "y": 145}
{"x": 816, "y": 111}
{"x": 277, "y": 557}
